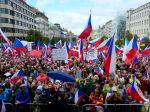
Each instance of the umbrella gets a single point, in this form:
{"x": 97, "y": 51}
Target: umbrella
{"x": 34, "y": 53}
{"x": 61, "y": 76}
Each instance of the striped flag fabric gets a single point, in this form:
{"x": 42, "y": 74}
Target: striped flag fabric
{"x": 110, "y": 62}
{"x": 17, "y": 76}
{"x": 146, "y": 51}
{"x": 81, "y": 57}
{"x": 87, "y": 31}
{"x": 131, "y": 51}
{"x": 2, "y": 35}
{"x": 78, "y": 96}
{"x": 136, "y": 93}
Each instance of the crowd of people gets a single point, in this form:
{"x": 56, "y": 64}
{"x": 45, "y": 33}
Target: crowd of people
{"x": 94, "y": 85}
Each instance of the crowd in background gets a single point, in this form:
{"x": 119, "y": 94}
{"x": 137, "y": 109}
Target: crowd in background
{"x": 57, "y": 94}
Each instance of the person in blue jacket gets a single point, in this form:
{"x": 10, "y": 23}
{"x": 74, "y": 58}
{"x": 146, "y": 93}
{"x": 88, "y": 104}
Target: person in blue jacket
{"x": 22, "y": 98}
{"x": 4, "y": 93}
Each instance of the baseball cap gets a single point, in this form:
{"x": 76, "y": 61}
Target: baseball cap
{"x": 40, "y": 88}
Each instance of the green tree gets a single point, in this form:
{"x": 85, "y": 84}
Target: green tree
{"x": 74, "y": 39}
{"x": 34, "y": 35}
{"x": 128, "y": 35}
{"x": 103, "y": 38}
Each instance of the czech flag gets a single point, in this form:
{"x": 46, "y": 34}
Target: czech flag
{"x": 136, "y": 93}
{"x": 141, "y": 40}
{"x": 81, "y": 57}
{"x": 17, "y": 76}
{"x": 124, "y": 49}
{"x": 131, "y": 51}
{"x": 118, "y": 50}
{"x": 86, "y": 32}
{"x": 110, "y": 62}
{"x": 19, "y": 46}
{"x": 78, "y": 96}
{"x": 2, "y": 35}
{"x": 104, "y": 45}
{"x": 146, "y": 50}
{"x": 95, "y": 42}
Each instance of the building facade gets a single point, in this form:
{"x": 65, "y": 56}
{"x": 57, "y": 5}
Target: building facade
{"x": 138, "y": 20}
{"x": 106, "y": 30}
{"x": 16, "y": 18}
{"x": 41, "y": 22}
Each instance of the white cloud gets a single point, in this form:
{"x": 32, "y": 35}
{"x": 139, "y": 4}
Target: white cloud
{"x": 75, "y": 19}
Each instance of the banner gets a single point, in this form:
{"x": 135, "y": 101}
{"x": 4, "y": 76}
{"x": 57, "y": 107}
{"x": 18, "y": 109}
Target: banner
{"x": 29, "y": 46}
{"x": 91, "y": 55}
{"x": 59, "y": 54}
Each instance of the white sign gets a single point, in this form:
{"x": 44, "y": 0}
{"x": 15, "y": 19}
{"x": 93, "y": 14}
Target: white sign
{"x": 59, "y": 54}
{"x": 29, "y": 46}
{"x": 91, "y": 55}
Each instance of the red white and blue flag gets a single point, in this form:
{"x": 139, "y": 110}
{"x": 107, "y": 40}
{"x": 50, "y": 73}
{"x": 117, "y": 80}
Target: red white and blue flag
{"x": 141, "y": 40}
{"x": 78, "y": 96}
{"x": 2, "y": 35}
{"x": 17, "y": 76}
{"x": 146, "y": 50}
{"x": 81, "y": 57}
{"x": 87, "y": 31}
{"x": 95, "y": 42}
{"x": 136, "y": 93}
{"x": 110, "y": 62}
{"x": 19, "y": 46}
{"x": 104, "y": 45}
{"x": 131, "y": 51}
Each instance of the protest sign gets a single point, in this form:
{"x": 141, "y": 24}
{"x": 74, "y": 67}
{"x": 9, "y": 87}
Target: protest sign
{"x": 59, "y": 54}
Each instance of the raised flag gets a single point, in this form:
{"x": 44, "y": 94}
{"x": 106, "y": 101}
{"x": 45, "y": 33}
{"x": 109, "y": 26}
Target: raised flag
{"x": 118, "y": 50}
{"x": 95, "y": 42}
{"x": 104, "y": 45}
{"x": 146, "y": 50}
{"x": 110, "y": 62}
{"x": 136, "y": 92}
{"x": 17, "y": 76}
{"x": 4, "y": 37}
{"x": 131, "y": 51}
{"x": 86, "y": 32}
{"x": 141, "y": 40}
{"x": 19, "y": 46}
{"x": 81, "y": 57}
{"x": 125, "y": 48}
{"x": 78, "y": 96}
{"x": 58, "y": 44}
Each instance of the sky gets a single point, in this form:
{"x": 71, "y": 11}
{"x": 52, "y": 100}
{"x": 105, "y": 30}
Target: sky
{"x": 73, "y": 14}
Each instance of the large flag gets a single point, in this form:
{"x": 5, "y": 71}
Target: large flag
{"x": 136, "y": 93}
{"x": 110, "y": 62}
{"x": 86, "y": 32}
{"x": 146, "y": 50}
{"x": 81, "y": 57}
{"x": 131, "y": 51}
{"x": 19, "y": 46}
{"x": 2, "y": 106}
{"x": 4, "y": 37}
{"x": 17, "y": 76}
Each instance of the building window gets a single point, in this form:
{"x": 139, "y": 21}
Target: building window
{"x": 4, "y": 1}
{"x": 3, "y": 20}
